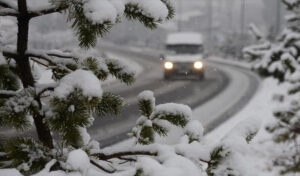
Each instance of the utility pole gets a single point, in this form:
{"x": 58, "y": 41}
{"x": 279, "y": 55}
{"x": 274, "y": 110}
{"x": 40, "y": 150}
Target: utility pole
{"x": 210, "y": 18}
{"x": 179, "y": 22}
{"x": 243, "y": 9}
{"x": 278, "y": 15}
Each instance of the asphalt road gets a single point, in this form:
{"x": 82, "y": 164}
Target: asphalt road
{"x": 111, "y": 129}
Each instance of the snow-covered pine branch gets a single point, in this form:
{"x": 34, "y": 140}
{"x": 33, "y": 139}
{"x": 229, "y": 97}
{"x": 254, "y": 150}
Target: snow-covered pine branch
{"x": 255, "y": 32}
{"x": 8, "y": 12}
{"x": 68, "y": 105}
{"x": 280, "y": 60}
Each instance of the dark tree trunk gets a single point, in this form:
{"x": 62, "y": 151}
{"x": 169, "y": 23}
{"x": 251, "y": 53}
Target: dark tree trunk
{"x": 22, "y": 43}
{"x": 43, "y": 131}
{"x": 24, "y": 69}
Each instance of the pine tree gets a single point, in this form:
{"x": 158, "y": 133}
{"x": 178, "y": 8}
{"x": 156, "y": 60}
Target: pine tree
{"x": 24, "y": 103}
{"x": 66, "y": 108}
{"x": 280, "y": 60}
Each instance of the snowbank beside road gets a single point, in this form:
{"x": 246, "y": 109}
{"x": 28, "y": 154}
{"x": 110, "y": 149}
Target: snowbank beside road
{"x": 262, "y": 146}
{"x": 230, "y": 62}
{"x": 243, "y": 84}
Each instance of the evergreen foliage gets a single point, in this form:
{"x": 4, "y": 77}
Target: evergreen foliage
{"x": 8, "y": 80}
{"x": 281, "y": 61}
{"x": 16, "y": 110}
{"x": 152, "y": 116}
{"x": 25, "y": 154}
{"x": 23, "y": 106}
{"x": 217, "y": 156}
{"x": 87, "y": 31}
{"x": 224, "y": 155}
{"x": 61, "y": 112}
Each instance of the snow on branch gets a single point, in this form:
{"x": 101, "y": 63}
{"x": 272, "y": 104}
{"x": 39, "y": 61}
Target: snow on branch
{"x": 8, "y": 4}
{"x": 8, "y": 12}
{"x": 103, "y": 156}
{"x": 46, "y": 11}
{"x": 44, "y": 55}
{"x": 255, "y": 31}
{"x": 291, "y": 4}
{"x": 150, "y": 150}
{"x": 7, "y": 93}
{"x": 60, "y": 54}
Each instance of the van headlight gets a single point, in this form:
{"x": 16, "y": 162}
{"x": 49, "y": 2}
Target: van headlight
{"x": 198, "y": 65}
{"x": 168, "y": 65}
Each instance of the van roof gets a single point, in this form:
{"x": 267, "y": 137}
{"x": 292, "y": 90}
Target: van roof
{"x": 192, "y": 38}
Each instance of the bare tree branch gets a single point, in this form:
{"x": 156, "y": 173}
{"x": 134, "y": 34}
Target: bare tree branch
{"x": 100, "y": 167}
{"x": 122, "y": 154}
{"x": 61, "y": 55}
{"x": 46, "y": 11}
{"x": 12, "y": 54}
{"x": 49, "y": 88}
{"x": 40, "y": 55}
{"x": 8, "y": 12}
{"x": 39, "y": 62}
{"x": 103, "y": 156}
{"x": 127, "y": 159}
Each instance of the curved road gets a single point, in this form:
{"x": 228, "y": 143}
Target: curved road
{"x": 225, "y": 90}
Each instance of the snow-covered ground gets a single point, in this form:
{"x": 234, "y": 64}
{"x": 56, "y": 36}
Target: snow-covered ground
{"x": 260, "y": 107}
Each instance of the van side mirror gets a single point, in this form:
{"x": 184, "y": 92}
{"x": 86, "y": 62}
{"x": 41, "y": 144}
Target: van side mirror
{"x": 162, "y": 57}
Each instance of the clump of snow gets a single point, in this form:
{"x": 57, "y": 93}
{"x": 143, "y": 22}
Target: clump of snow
{"x": 78, "y": 160}
{"x": 174, "y": 165}
{"x": 244, "y": 129}
{"x": 2, "y": 60}
{"x": 10, "y": 172}
{"x": 81, "y": 79}
{"x": 94, "y": 146}
{"x": 154, "y": 8}
{"x": 85, "y": 137}
{"x": 100, "y": 11}
{"x": 173, "y": 108}
{"x": 38, "y": 5}
{"x": 148, "y": 123}
{"x": 119, "y": 5}
{"x": 71, "y": 108}
{"x": 193, "y": 151}
{"x": 194, "y": 129}
{"x": 141, "y": 120}
{"x": 36, "y": 71}
{"x": 147, "y": 95}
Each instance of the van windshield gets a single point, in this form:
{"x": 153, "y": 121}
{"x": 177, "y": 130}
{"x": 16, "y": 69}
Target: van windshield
{"x": 184, "y": 49}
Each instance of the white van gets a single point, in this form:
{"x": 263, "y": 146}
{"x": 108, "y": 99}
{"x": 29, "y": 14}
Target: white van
{"x": 184, "y": 55}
